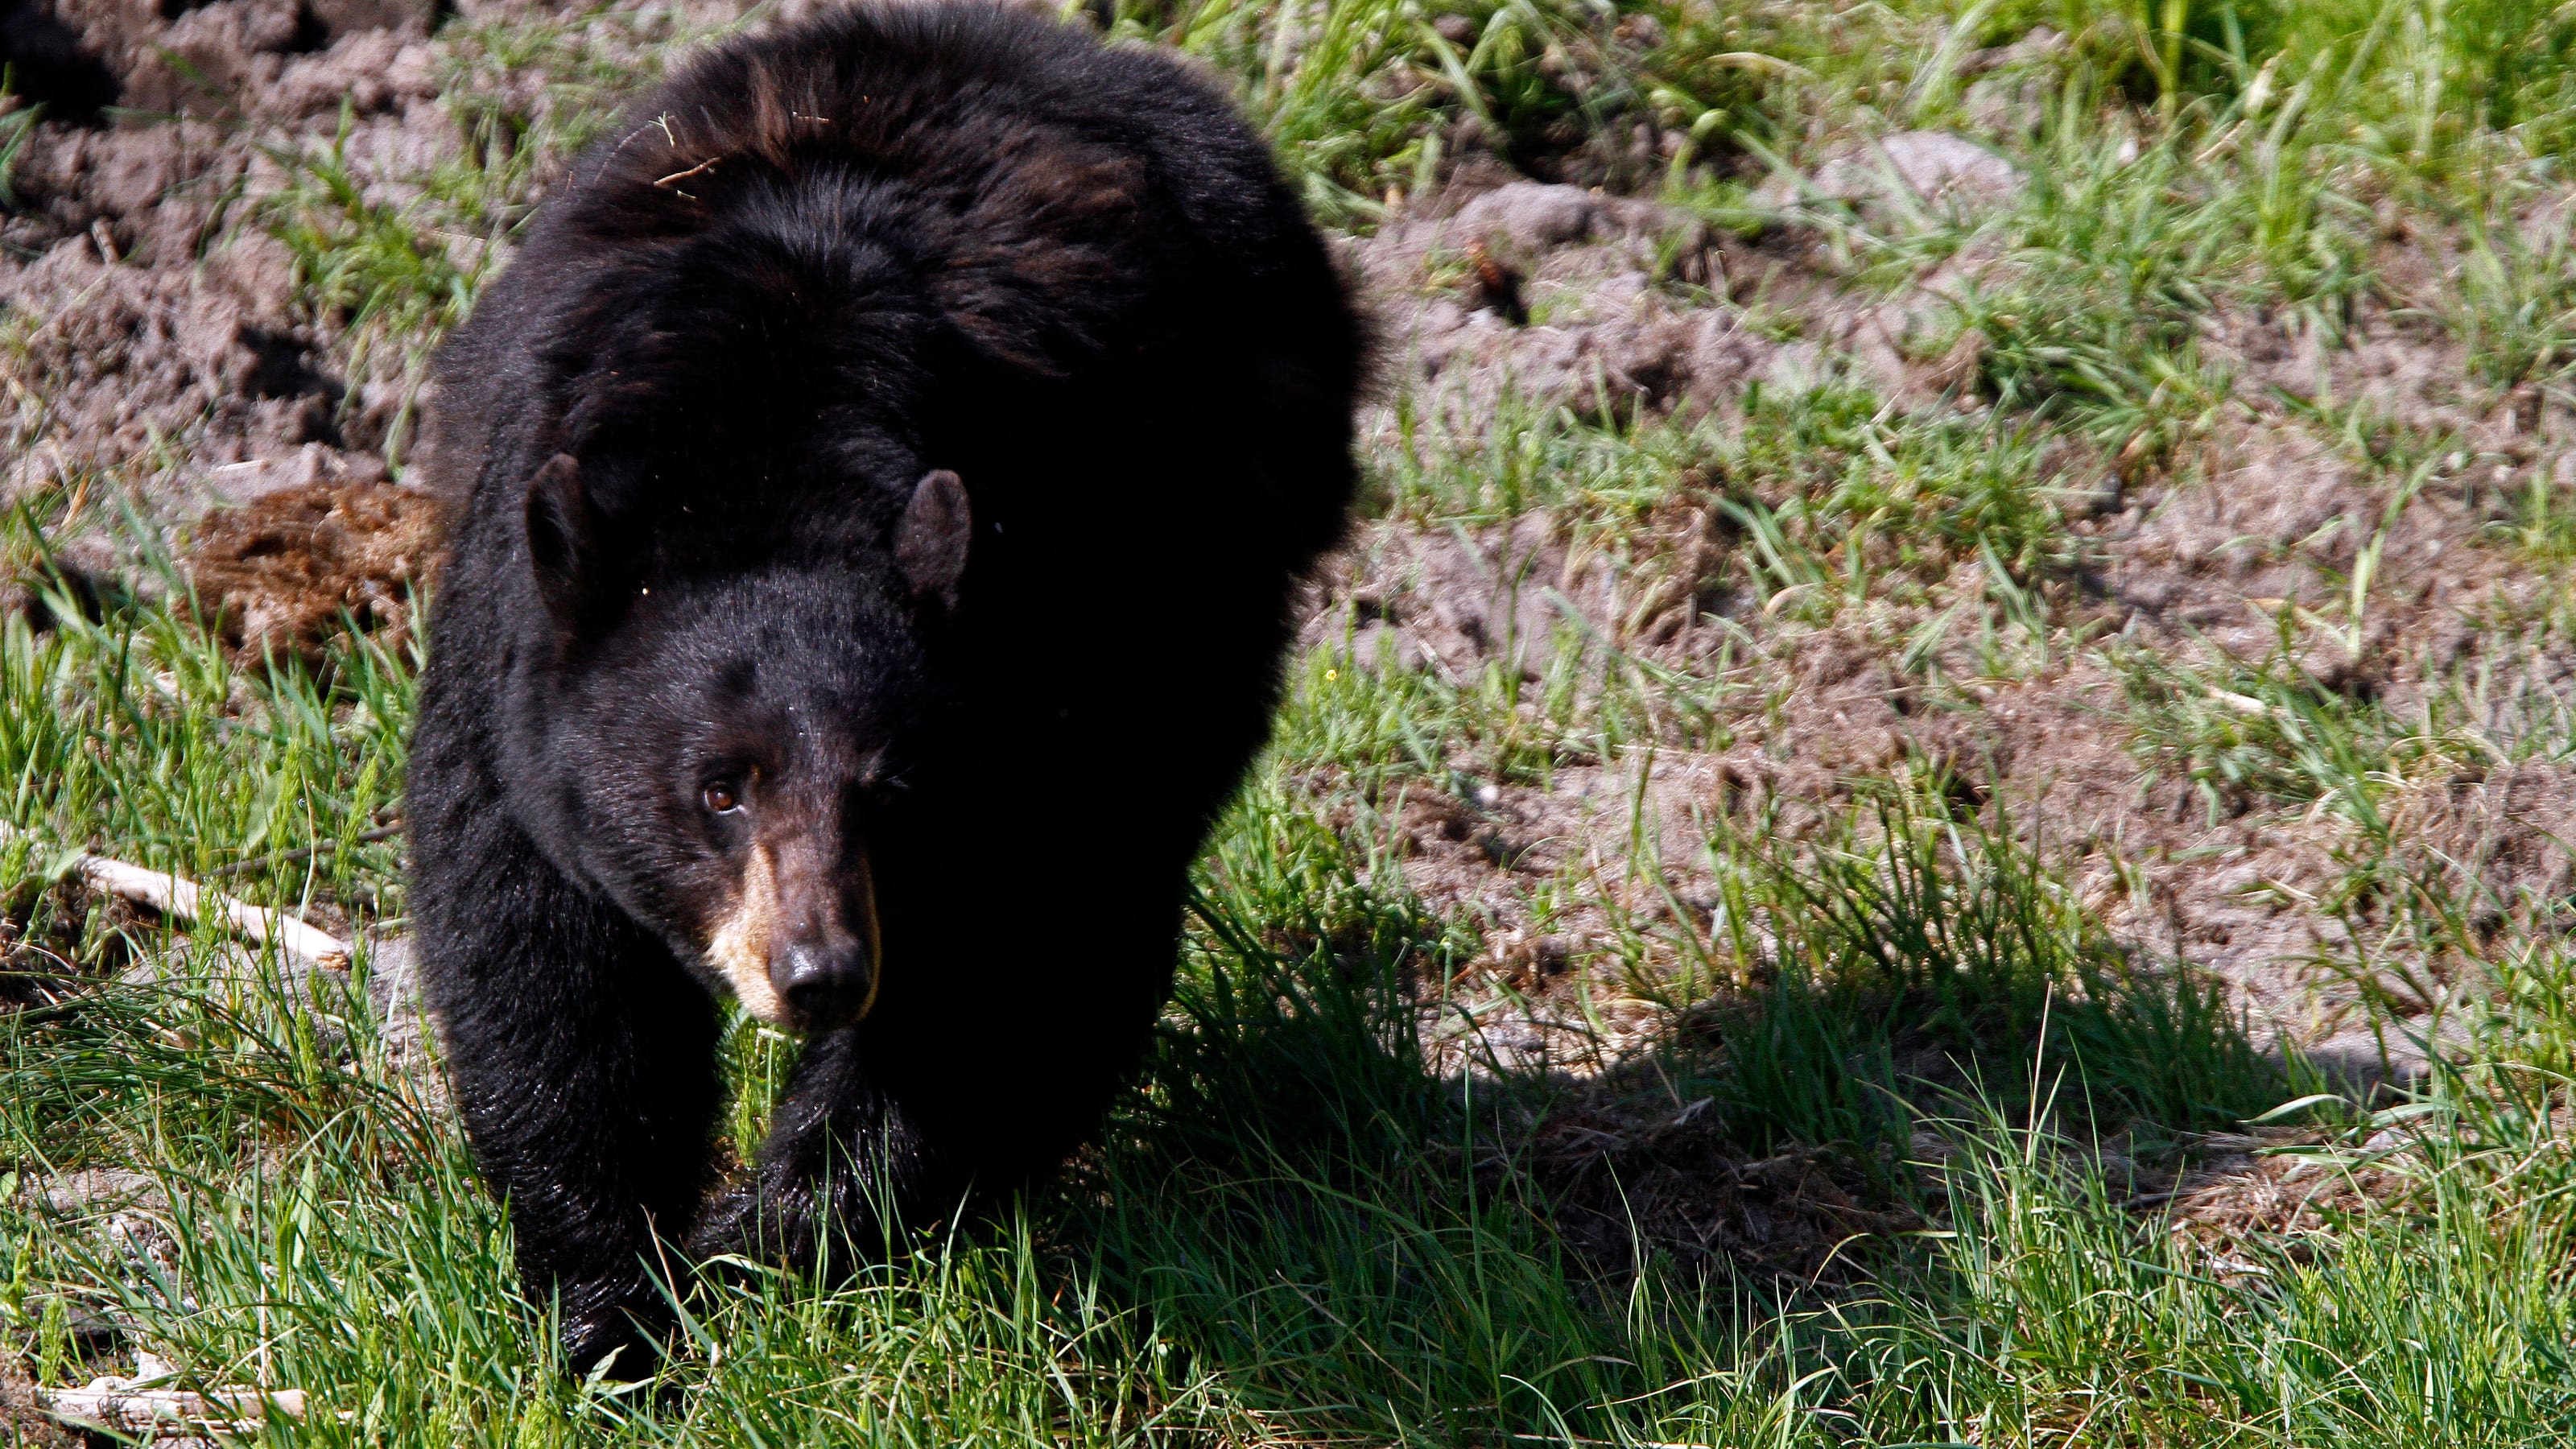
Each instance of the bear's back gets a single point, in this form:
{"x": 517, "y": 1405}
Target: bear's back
{"x": 885, "y": 220}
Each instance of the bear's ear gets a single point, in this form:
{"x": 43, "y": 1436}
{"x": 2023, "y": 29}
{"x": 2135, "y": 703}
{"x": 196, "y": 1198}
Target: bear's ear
{"x": 562, "y": 537}
{"x": 930, "y": 542}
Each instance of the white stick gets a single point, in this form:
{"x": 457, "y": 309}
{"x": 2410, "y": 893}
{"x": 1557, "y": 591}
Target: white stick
{"x": 170, "y": 1413}
{"x": 299, "y": 943}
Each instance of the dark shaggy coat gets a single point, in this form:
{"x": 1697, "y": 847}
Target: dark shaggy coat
{"x": 691, "y": 436}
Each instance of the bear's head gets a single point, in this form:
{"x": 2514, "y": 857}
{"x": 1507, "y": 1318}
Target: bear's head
{"x": 730, "y": 741}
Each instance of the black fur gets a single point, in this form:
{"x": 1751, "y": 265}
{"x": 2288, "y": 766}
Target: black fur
{"x": 681, "y": 434}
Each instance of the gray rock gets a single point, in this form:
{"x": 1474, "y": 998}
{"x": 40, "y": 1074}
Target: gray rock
{"x": 1529, "y": 216}
{"x": 96, "y": 1188}
{"x": 1931, "y": 168}
{"x": 393, "y": 988}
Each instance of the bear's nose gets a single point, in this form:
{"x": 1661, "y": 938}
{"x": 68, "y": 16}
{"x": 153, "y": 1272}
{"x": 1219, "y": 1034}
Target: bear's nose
{"x": 824, "y": 987}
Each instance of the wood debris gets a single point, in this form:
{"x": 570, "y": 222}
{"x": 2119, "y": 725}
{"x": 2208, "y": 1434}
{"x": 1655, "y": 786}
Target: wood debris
{"x": 302, "y": 945}
{"x": 146, "y": 1405}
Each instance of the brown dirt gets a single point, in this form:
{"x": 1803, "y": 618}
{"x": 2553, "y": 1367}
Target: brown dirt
{"x": 154, "y": 336}
{"x": 159, "y": 349}
{"x": 157, "y": 345}
{"x": 1636, "y": 308}
{"x": 1602, "y": 280}
{"x": 25, "y": 1423}
{"x": 283, "y": 572}
{"x": 1647, "y": 1177}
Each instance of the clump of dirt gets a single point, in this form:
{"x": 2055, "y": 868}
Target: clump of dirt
{"x": 149, "y": 315}
{"x": 24, "y": 1417}
{"x": 1624, "y": 1181}
{"x": 229, "y": 58}
{"x": 56, "y": 936}
{"x": 1551, "y": 294}
{"x": 130, "y": 358}
{"x": 282, "y": 573}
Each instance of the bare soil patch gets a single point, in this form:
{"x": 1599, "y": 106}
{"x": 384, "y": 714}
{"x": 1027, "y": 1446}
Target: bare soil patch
{"x": 283, "y": 572}
{"x": 156, "y": 337}
{"x": 1630, "y": 1179}
{"x": 1634, "y": 311}
{"x": 56, "y": 938}
{"x": 23, "y": 1419}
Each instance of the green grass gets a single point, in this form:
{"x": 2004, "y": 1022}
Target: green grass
{"x": 1299, "y": 1227}
{"x": 1333, "y": 1210}
{"x": 14, "y": 128}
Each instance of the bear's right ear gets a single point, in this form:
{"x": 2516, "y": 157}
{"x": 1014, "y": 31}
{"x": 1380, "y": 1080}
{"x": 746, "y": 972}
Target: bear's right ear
{"x": 562, "y": 534}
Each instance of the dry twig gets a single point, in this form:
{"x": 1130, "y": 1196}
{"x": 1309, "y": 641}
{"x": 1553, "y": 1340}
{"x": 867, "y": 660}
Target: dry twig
{"x": 300, "y": 944}
{"x": 301, "y": 853}
{"x": 119, "y": 1406}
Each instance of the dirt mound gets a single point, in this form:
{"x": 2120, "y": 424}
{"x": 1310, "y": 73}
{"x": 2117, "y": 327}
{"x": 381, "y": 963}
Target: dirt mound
{"x": 54, "y": 936}
{"x": 26, "y": 1423}
{"x": 135, "y": 359}
{"x": 1670, "y": 1184}
{"x": 150, "y": 331}
{"x": 229, "y": 57}
{"x": 1540, "y": 295}
{"x": 195, "y": 91}
{"x": 281, "y": 573}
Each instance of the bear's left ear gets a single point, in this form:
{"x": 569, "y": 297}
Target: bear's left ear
{"x": 930, "y": 542}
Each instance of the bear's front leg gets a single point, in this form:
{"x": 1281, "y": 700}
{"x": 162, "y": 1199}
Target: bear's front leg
{"x": 582, "y": 1056}
{"x": 868, "y": 1132}
{"x": 841, "y": 1158}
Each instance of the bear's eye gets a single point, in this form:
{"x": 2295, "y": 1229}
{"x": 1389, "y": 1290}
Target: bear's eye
{"x": 721, "y": 799}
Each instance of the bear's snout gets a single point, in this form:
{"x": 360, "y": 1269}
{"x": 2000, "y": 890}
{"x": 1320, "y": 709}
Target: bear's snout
{"x": 825, "y": 983}
{"x": 823, "y": 962}
{"x": 800, "y": 945}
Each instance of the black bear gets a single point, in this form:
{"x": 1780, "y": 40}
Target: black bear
{"x": 879, "y": 482}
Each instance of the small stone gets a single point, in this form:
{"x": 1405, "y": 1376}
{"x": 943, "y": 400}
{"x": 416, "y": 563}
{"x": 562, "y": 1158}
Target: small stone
{"x": 1529, "y": 216}
{"x": 97, "y": 1187}
{"x": 1935, "y": 166}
